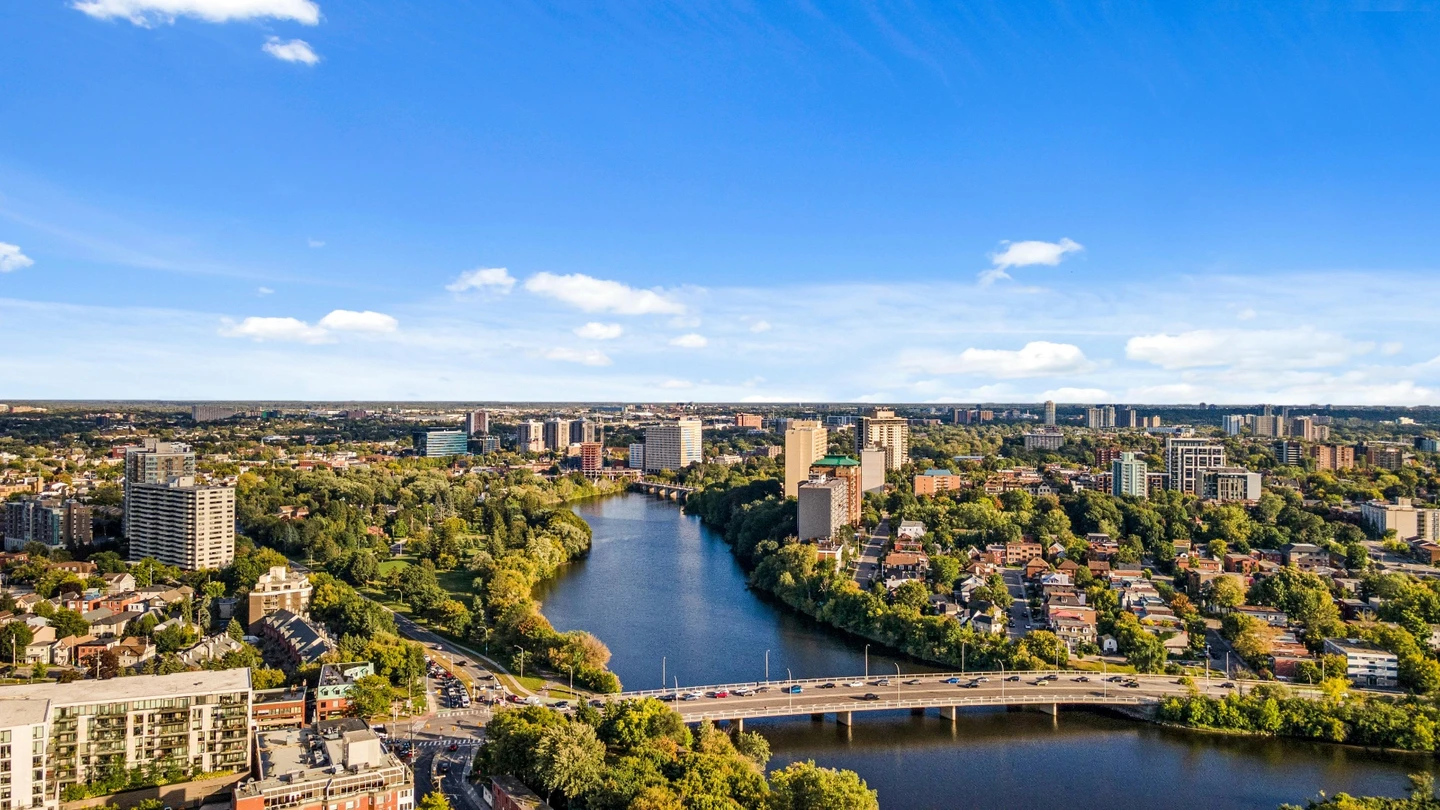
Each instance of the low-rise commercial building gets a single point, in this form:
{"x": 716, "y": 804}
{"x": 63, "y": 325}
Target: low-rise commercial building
{"x": 335, "y": 765}
{"x": 1365, "y": 663}
{"x": 332, "y": 691}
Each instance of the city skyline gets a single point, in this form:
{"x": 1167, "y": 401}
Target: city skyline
{"x": 284, "y": 199}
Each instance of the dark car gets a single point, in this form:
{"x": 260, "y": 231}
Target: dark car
{"x": 443, "y": 767}
{"x": 827, "y": 686}
{"x": 453, "y": 747}
{"x": 1013, "y": 678}
{"x": 913, "y": 682}
{"x": 970, "y": 685}
{"x": 870, "y": 696}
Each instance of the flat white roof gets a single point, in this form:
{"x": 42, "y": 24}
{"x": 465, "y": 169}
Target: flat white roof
{"x": 135, "y": 687}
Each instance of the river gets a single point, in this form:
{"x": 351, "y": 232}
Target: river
{"x": 657, "y": 584}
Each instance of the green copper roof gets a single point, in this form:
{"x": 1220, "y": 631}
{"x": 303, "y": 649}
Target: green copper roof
{"x": 836, "y": 461}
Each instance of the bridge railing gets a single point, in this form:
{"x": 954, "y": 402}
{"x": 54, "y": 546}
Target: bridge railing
{"x": 916, "y": 703}
{"x": 931, "y": 677}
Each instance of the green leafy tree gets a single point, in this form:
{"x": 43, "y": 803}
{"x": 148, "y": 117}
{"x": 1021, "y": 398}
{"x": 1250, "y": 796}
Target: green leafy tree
{"x": 571, "y": 759}
{"x": 14, "y": 638}
{"x": 806, "y": 786}
{"x": 434, "y": 800}
{"x": 371, "y": 696}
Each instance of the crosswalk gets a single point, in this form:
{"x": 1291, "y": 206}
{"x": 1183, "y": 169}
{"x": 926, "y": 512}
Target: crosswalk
{"x": 463, "y": 742}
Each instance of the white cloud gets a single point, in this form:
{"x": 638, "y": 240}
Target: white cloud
{"x": 994, "y": 274}
{"x": 1024, "y": 254}
{"x": 276, "y": 329}
{"x": 1078, "y": 395}
{"x": 600, "y": 331}
{"x": 1246, "y": 314}
{"x": 264, "y": 291}
{"x": 587, "y": 357}
{"x": 295, "y": 50}
{"x": 677, "y": 384}
{"x": 497, "y": 278}
{"x": 148, "y": 12}
{"x": 600, "y": 295}
{"x": 1304, "y": 347}
{"x": 12, "y": 259}
{"x": 1392, "y": 348}
{"x": 760, "y": 326}
{"x": 1036, "y": 359}
{"x": 315, "y": 243}
{"x": 346, "y": 320}
{"x": 690, "y": 341}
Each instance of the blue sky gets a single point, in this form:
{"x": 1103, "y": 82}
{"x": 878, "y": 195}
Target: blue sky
{"x": 947, "y": 202}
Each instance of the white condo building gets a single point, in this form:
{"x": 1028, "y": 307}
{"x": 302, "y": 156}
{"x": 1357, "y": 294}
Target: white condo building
{"x": 673, "y": 446}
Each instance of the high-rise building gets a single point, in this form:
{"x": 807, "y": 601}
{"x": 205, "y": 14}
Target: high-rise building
{"x": 211, "y": 413}
{"x": 1229, "y": 484}
{"x": 805, "y": 441}
{"x": 1399, "y": 516}
{"x": 637, "y": 456}
{"x": 673, "y": 445}
{"x": 440, "y": 442}
{"x": 487, "y": 444}
{"x": 592, "y": 456}
{"x": 50, "y": 522}
{"x": 1100, "y": 417}
{"x": 77, "y": 734}
{"x": 1049, "y": 412}
{"x": 155, "y": 462}
{"x": 530, "y": 437}
{"x": 1268, "y": 424}
{"x": 822, "y": 508}
{"x": 556, "y": 433}
{"x": 1185, "y": 457}
{"x": 846, "y": 469}
{"x": 872, "y": 470}
{"x": 1127, "y": 418}
{"x": 1232, "y": 424}
{"x": 278, "y": 589}
{"x": 1046, "y": 438}
{"x": 1104, "y": 456}
{"x": 181, "y": 523}
{"x": 882, "y": 428}
{"x": 1385, "y": 456}
{"x": 1304, "y": 428}
{"x": 1129, "y": 476}
{"x": 477, "y": 423}
{"x": 584, "y": 430}
{"x": 1289, "y": 454}
{"x": 1333, "y": 456}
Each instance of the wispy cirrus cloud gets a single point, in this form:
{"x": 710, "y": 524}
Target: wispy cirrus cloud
{"x": 590, "y": 294}
{"x": 149, "y": 12}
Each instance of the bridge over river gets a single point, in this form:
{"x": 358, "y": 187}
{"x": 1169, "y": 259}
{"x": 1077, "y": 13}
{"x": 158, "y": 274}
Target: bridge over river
{"x": 674, "y": 492}
{"x": 843, "y": 697}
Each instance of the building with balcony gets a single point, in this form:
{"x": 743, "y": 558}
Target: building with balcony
{"x": 278, "y": 589}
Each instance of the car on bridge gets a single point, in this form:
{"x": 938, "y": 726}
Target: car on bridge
{"x": 855, "y": 684}
{"x": 970, "y": 685}
{"x": 914, "y": 682}
{"x": 743, "y": 692}
{"x": 951, "y": 680}
{"x": 870, "y": 696}
{"x": 830, "y": 685}
{"x": 794, "y": 690}
{"x": 1013, "y": 678}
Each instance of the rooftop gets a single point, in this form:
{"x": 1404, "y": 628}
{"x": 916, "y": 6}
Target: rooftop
{"x": 139, "y": 687}
{"x": 836, "y": 461}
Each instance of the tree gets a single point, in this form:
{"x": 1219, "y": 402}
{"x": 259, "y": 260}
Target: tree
{"x": 1046, "y": 646}
{"x": 371, "y": 696}
{"x": 571, "y": 759}
{"x": 109, "y": 665}
{"x": 913, "y": 595}
{"x": 806, "y": 786}
{"x": 1224, "y": 592}
{"x": 234, "y": 630}
{"x": 14, "y": 638}
{"x": 174, "y": 638}
{"x": 435, "y": 800}
{"x": 69, "y": 623}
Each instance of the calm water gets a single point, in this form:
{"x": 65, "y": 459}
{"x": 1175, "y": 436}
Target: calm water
{"x": 659, "y": 584}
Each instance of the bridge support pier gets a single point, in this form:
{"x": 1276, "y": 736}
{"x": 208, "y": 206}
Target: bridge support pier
{"x": 1052, "y": 709}
{"x": 819, "y": 718}
{"x": 917, "y": 712}
{"x": 738, "y": 724}
{"x": 843, "y": 718}
{"x": 949, "y": 713}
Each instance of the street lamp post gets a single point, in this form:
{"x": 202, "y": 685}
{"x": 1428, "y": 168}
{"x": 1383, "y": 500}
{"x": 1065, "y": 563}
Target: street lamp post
{"x": 767, "y": 666}
{"x": 790, "y": 690}
{"x": 522, "y": 660}
{"x": 897, "y": 682}
{"x": 662, "y": 672}
{"x": 867, "y": 661}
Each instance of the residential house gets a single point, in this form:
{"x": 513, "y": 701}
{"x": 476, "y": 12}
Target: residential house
{"x": 134, "y": 651}
{"x": 1274, "y": 617}
{"x": 118, "y": 583}
{"x": 910, "y": 529}
{"x": 1305, "y": 556}
{"x": 1035, "y": 567}
{"x": 904, "y": 565}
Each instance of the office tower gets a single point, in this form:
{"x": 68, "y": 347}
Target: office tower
{"x": 556, "y": 433}
{"x": 211, "y": 413}
{"x": 1333, "y": 456}
{"x": 275, "y": 590}
{"x": 805, "y": 441}
{"x": 197, "y": 722}
{"x": 1129, "y": 476}
{"x": 477, "y": 423}
{"x": 637, "y": 456}
{"x": 584, "y": 430}
{"x": 1229, "y": 484}
{"x": 440, "y": 442}
{"x": 674, "y": 445}
{"x": 1049, "y": 412}
{"x": 846, "y": 469}
{"x": 1289, "y": 454}
{"x": 1232, "y": 424}
{"x": 592, "y": 456}
{"x": 1185, "y": 457}
{"x": 883, "y": 429}
{"x": 822, "y": 508}
{"x": 530, "y": 437}
{"x": 48, "y": 521}
{"x": 181, "y": 523}
{"x": 752, "y": 421}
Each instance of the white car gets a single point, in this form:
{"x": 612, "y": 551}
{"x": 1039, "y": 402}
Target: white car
{"x": 855, "y": 684}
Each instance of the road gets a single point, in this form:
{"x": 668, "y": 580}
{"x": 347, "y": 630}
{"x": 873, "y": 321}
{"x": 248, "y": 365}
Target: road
{"x": 931, "y": 691}
{"x": 1020, "y": 623}
{"x": 872, "y": 545}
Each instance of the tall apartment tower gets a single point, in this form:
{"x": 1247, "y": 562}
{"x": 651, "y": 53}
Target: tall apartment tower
{"x": 155, "y": 462}
{"x": 1232, "y": 424}
{"x": 1186, "y": 456}
{"x": 805, "y": 443}
{"x": 1049, "y": 412}
{"x": 1129, "y": 476}
{"x": 477, "y": 423}
{"x": 556, "y": 434}
{"x": 1100, "y": 417}
{"x": 181, "y": 523}
{"x": 673, "y": 446}
{"x": 529, "y": 437}
{"x": 583, "y": 431}
{"x": 882, "y": 428}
